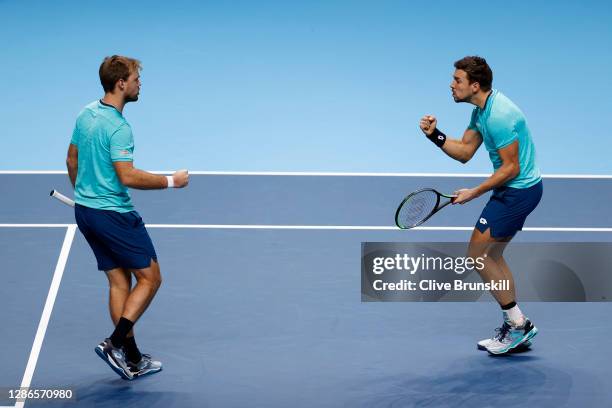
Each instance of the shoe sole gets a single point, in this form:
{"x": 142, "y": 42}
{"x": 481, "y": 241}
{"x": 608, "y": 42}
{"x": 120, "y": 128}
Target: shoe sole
{"x": 150, "y": 372}
{"x": 111, "y": 364}
{"x": 525, "y": 338}
{"x": 521, "y": 346}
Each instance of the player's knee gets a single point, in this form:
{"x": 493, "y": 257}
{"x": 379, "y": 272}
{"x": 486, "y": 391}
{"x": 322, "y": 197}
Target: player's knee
{"x": 150, "y": 276}
{"x": 157, "y": 281}
{"x": 156, "y": 278}
{"x": 120, "y": 286}
{"x": 477, "y": 250}
{"x": 153, "y": 278}
{"x": 118, "y": 281}
{"x": 496, "y": 251}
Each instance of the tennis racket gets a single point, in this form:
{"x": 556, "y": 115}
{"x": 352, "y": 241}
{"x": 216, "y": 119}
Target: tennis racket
{"x": 419, "y": 206}
{"x": 61, "y": 197}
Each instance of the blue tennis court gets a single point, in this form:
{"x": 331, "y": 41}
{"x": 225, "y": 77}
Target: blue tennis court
{"x": 313, "y": 119}
{"x": 261, "y": 305}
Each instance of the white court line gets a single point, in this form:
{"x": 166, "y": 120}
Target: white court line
{"x": 569, "y": 229}
{"x": 320, "y": 227}
{"x": 46, "y": 314}
{"x": 348, "y": 174}
{"x": 363, "y": 227}
{"x": 327, "y": 174}
{"x": 35, "y": 226}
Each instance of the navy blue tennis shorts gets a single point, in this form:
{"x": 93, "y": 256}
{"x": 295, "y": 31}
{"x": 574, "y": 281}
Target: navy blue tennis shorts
{"x": 507, "y": 209}
{"x": 117, "y": 239}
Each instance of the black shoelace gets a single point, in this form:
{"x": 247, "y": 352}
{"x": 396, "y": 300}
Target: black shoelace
{"x": 502, "y": 331}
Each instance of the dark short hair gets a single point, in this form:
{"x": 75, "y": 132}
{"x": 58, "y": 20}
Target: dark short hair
{"x": 477, "y": 70}
{"x": 115, "y": 68}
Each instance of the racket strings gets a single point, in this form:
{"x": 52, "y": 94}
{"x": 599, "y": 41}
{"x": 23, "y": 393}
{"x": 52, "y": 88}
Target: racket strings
{"x": 417, "y": 208}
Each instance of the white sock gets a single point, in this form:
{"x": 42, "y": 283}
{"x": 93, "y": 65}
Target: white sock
{"x": 514, "y": 316}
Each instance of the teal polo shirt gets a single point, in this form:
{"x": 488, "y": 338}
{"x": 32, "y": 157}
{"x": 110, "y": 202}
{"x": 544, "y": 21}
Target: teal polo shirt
{"x": 500, "y": 123}
{"x": 102, "y": 136}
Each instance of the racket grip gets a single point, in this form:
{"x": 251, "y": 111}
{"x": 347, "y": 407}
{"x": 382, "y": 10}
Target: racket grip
{"x": 56, "y": 194}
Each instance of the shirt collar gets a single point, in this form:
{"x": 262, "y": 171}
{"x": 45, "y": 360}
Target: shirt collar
{"x": 109, "y": 106}
{"x": 489, "y": 100}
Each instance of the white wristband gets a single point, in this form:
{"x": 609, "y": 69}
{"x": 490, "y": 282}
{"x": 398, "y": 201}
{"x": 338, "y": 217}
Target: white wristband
{"x": 170, "y": 181}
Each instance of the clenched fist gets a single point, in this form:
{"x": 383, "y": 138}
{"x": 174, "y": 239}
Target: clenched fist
{"x": 181, "y": 178}
{"x": 428, "y": 124}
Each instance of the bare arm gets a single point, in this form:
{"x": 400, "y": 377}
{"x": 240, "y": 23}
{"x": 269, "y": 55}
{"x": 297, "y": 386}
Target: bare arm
{"x": 142, "y": 180}
{"x": 463, "y": 150}
{"x": 138, "y": 179}
{"x": 459, "y": 149}
{"x": 509, "y": 169}
{"x": 72, "y": 163}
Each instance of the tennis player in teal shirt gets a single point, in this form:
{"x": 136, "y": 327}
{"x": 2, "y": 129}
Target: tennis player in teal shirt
{"x": 516, "y": 186}
{"x": 100, "y": 167}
